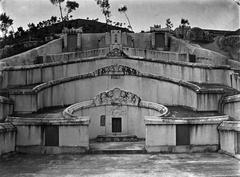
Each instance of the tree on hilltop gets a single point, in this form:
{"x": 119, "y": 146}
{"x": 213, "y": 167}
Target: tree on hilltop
{"x": 105, "y": 7}
{"x": 59, "y": 3}
{"x": 6, "y": 22}
{"x": 123, "y": 10}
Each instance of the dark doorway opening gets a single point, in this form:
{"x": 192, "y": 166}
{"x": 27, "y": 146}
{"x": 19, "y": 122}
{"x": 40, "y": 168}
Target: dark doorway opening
{"x": 183, "y": 135}
{"x": 116, "y": 125}
{"x": 51, "y": 136}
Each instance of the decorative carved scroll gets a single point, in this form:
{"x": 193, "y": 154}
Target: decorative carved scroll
{"x": 117, "y": 69}
{"x": 117, "y": 97}
{"x": 116, "y": 53}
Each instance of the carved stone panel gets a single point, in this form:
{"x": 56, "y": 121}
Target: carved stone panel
{"x": 116, "y": 69}
{"x": 117, "y": 97}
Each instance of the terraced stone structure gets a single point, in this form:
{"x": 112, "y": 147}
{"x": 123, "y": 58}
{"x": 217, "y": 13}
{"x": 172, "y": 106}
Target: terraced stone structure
{"x": 119, "y": 86}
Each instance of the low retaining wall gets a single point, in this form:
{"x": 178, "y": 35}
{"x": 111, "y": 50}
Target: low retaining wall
{"x": 202, "y": 55}
{"x": 230, "y": 138}
{"x": 29, "y": 57}
{"x": 182, "y": 135}
{"x": 233, "y": 63}
{"x": 51, "y": 136}
{"x": 71, "y": 56}
{"x": 231, "y": 105}
{"x": 6, "y": 108}
{"x": 7, "y": 138}
{"x": 156, "y": 55}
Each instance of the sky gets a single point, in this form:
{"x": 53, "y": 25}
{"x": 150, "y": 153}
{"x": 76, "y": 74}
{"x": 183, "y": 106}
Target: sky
{"x": 210, "y": 14}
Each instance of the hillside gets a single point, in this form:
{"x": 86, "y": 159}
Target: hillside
{"x": 38, "y": 36}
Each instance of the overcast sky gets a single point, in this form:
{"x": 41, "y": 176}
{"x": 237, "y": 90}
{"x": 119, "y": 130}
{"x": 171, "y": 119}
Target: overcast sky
{"x": 212, "y": 14}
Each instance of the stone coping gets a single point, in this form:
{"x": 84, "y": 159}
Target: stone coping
{"x": 7, "y": 127}
{"x": 81, "y": 120}
{"x": 147, "y": 50}
{"x": 153, "y": 120}
{"x": 57, "y": 63}
{"x": 89, "y": 59}
{"x": 4, "y": 100}
{"x": 115, "y": 98}
{"x": 230, "y": 99}
{"x": 230, "y": 126}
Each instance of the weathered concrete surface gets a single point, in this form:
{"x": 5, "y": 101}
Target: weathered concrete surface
{"x": 144, "y": 165}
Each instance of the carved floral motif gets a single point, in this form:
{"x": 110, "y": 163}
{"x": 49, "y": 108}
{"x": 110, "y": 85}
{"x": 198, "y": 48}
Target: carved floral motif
{"x": 118, "y": 97}
{"x": 117, "y": 69}
{"x": 116, "y": 53}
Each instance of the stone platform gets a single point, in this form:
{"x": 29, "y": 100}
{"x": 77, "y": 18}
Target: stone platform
{"x": 121, "y": 165}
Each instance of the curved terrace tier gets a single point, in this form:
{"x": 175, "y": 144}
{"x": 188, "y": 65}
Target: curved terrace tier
{"x": 84, "y": 87}
{"x": 39, "y": 73}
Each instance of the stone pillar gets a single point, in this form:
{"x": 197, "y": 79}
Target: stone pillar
{"x": 124, "y": 39}
{"x": 65, "y": 42}
{"x": 107, "y": 39}
{"x": 2, "y": 65}
{"x": 153, "y": 41}
{"x": 166, "y": 41}
{"x": 79, "y": 41}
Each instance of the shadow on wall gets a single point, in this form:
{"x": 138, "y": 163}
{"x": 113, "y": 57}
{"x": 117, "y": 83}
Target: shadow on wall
{"x": 202, "y": 55}
{"x": 29, "y": 57}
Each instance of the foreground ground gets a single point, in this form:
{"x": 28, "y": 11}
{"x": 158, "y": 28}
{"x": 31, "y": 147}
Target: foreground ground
{"x": 117, "y": 165}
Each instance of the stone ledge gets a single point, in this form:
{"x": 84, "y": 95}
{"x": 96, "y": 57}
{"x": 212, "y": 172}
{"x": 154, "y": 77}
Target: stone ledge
{"x": 233, "y": 98}
{"x": 52, "y": 149}
{"x": 230, "y": 126}
{"x": 7, "y": 127}
{"x": 5, "y": 100}
{"x": 84, "y": 121}
{"x": 182, "y": 149}
{"x": 153, "y": 120}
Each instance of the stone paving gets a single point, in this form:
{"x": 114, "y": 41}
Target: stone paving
{"x": 121, "y": 165}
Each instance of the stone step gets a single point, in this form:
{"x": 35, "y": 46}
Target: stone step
{"x": 116, "y": 151}
{"x": 117, "y": 138}
{"x": 117, "y": 148}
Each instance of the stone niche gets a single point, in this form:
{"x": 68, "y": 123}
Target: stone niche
{"x": 72, "y": 39}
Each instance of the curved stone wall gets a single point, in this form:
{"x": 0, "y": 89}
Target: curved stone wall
{"x": 84, "y": 89}
{"x": 67, "y": 91}
{"x": 115, "y": 97}
{"x": 115, "y": 103}
{"x": 230, "y": 105}
{"x": 28, "y": 75}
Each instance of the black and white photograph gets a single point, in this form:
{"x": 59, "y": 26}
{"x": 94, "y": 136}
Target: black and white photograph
{"x": 119, "y": 88}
